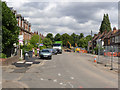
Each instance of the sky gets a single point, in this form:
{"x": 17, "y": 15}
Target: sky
{"x": 66, "y": 16}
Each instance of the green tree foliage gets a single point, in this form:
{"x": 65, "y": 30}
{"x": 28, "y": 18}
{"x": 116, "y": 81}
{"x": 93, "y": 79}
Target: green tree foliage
{"x": 10, "y": 30}
{"x": 57, "y": 37}
{"x": 65, "y": 37}
{"x": 105, "y": 25}
{"x": 34, "y": 40}
{"x": 74, "y": 39}
{"x": 81, "y": 35}
{"x": 50, "y": 36}
{"x": 83, "y": 42}
{"x": 47, "y": 42}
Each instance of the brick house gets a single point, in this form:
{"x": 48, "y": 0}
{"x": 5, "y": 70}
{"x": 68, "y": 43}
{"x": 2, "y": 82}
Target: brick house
{"x": 94, "y": 42}
{"x": 25, "y": 27}
{"x": 115, "y": 39}
{"x": 106, "y": 39}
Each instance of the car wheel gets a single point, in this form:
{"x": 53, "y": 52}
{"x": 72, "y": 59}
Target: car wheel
{"x": 50, "y": 58}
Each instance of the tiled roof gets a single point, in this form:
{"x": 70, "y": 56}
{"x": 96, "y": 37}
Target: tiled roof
{"x": 96, "y": 36}
{"x": 115, "y": 34}
{"x": 106, "y": 36}
{"x": 101, "y": 35}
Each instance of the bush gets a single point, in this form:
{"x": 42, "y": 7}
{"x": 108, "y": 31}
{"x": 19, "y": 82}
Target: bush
{"x": 42, "y": 47}
{"x": 27, "y": 47}
{"x": 2, "y": 55}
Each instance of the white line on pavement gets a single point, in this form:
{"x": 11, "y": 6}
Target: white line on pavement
{"x": 55, "y": 80}
{"x": 71, "y": 77}
{"x": 41, "y": 79}
{"x": 59, "y": 74}
{"x": 70, "y": 84}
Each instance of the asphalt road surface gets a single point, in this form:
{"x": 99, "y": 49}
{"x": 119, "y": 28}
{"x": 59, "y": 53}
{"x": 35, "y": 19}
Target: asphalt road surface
{"x": 67, "y": 70}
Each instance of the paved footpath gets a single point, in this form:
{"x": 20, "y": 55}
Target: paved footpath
{"x": 105, "y": 60}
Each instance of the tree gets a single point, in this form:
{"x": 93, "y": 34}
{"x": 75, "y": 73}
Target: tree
{"x": 10, "y": 30}
{"x": 57, "y": 37}
{"x": 34, "y": 40}
{"x": 88, "y": 38}
{"x": 83, "y": 42}
{"x": 65, "y": 37}
{"x": 105, "y": 24}
{"x": 81, "y": 35}
{"x": 47, "y": 42}
{"x": 50, "y": 36}
{"x": 74, "y": 39}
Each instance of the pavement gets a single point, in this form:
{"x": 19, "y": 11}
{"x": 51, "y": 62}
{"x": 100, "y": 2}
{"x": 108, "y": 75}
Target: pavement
{"x": 67, "y": 70}
{"x": 106, "y": 61}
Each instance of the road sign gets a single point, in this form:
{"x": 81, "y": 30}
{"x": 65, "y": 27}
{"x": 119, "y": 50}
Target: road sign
{"x": 41, "y": 44}
{"x": 20, "y": 37}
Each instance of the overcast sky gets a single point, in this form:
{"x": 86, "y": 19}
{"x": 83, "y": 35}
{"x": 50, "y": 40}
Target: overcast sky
{"x": 66, "y": 17}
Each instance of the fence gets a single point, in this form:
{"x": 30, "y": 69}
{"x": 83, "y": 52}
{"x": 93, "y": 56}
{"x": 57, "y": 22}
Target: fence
{"x": 109, "y": 56}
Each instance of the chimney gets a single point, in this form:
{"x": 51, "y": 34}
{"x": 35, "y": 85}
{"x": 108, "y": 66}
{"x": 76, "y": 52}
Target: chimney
{"x": 95, "y": 35}
{"x": 114, "y": 30}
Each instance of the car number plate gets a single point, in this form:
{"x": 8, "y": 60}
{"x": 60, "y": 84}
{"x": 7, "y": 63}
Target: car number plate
{"x": 45, "y": 56}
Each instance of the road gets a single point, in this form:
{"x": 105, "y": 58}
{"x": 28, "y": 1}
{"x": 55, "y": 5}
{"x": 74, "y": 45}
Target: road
{"x": 67, "y": 70}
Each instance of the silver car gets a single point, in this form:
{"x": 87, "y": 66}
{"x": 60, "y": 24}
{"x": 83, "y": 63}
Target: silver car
{"x": 45, "y": 53}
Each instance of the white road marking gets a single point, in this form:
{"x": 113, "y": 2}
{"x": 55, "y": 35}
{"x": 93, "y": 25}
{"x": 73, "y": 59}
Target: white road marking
{"x": 55, "y": 80}
{"x": 59, "y": 74}
{"x": 70, "y": 84}
{"x": 41, "y": 79}
{"x": 61, "y": 83}
{"x": 71, "y": 77}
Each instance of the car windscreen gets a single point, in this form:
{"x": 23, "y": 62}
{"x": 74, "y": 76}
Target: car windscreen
{"x": 46, "y": 51}
{"x": 56, "y": 44}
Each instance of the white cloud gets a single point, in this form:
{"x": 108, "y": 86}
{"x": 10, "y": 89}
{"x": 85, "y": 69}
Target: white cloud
{"x": 61, "y": 17}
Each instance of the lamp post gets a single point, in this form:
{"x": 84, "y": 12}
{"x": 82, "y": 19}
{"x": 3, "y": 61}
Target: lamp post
{"x": 39, "y": 39}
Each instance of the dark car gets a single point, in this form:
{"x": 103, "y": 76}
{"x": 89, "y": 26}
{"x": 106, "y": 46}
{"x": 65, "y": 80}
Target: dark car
{"x": 45, "y": 53}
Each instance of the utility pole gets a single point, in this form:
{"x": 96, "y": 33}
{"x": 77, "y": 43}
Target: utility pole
{"x": 91, "y": 32}
{"x": 91, "y": 40}
{"x": 39, "y": 39}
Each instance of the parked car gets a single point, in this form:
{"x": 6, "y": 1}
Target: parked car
{"x": 45, "y": 53}
{"x": 54, "y": 51}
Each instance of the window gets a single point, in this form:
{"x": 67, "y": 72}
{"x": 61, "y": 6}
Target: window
{"x": 116, "y": 39}
{"x": 113, "y": 39}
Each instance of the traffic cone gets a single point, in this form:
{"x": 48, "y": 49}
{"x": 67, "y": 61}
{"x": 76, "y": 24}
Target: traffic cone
{"x": 95, "y": 59}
